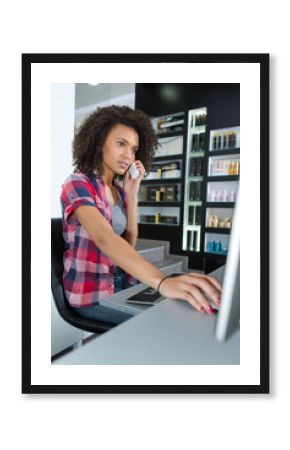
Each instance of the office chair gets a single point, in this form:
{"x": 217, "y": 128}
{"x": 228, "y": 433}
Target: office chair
{"x": 62, "y": 305}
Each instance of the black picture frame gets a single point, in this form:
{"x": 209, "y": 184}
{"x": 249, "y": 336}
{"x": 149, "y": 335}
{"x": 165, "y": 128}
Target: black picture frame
{"x": 263, "y": 61}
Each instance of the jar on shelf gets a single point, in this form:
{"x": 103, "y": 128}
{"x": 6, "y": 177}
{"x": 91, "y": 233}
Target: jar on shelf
{"x": 230, "y": 168}
{"x": 211, "y": 246}
{"x": 215, "y": 222}
{"x": 225, "y": 196}
{"x": 232, "y": 196}
{"x": 212, "y": 197}
{"x": 227, "y": 222}
{"x": 219, "y": 196}
{"x": 218, "y": 247}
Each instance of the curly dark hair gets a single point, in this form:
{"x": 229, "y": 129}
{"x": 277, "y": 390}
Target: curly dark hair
{"x": 91, "y": 135}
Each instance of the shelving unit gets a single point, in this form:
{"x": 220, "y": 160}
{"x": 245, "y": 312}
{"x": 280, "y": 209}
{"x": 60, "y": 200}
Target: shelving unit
{"x": 194, "y": 180}
{"x": 204, "y": 178}
{"x": 160, "y": 193}
{"x": 222, "y": 183}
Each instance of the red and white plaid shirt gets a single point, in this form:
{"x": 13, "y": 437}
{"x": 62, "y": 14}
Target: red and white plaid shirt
{"x": 88, "y": 273}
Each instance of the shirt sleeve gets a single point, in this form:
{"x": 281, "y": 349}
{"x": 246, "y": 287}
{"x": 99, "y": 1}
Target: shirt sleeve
{"x": 76, "y": 191}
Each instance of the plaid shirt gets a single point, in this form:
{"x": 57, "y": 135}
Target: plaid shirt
{"x": 88, "y": 273}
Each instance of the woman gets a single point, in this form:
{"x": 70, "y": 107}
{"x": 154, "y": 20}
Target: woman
{"x": 100, "y": 218}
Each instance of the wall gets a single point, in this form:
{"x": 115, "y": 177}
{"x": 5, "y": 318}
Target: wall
{"x": 63, "y": 335}
{"x": 62, "y": 108}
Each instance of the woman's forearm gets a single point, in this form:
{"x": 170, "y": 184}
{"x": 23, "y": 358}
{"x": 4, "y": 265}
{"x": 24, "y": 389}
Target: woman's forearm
{"x": 126, "y": 257}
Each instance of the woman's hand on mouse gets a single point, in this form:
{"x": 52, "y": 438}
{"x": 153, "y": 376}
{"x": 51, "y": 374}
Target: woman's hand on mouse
{"x": 131, "y": 186}
{"x": 195, "y": 288}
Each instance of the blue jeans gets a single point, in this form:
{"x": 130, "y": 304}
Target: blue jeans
{"x": 106, "y": 313}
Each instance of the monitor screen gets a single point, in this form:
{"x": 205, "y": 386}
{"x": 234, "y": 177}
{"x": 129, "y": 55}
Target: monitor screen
{"x": 228, "y": 320}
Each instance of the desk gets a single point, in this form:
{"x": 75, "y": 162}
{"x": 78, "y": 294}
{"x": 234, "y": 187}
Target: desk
{"x": 171, "y": 332}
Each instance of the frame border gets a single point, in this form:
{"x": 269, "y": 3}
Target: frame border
{"x": 261, "y": 58}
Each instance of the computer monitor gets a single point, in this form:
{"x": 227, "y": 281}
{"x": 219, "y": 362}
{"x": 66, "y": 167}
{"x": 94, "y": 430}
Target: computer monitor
{"x": 228, "y": 319}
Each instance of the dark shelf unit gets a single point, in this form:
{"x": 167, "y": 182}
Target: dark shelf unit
{"x": 217, "y": 230}
{"x": 220, "y": 204}
{"x": 228, "y": 151}
{"x": 159, "y": 224}
{"x": 223, "y": 177}
{"x": 162, "y": 180}
{"x": 168, "y": 157}
{"x": 222, "y": 102}
{"x": 170, "y": 134}
{"x": 212, "y": 260}
{"x": 159, "y": 203}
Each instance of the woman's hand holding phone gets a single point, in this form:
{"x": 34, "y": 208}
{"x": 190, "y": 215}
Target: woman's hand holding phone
{"x": 133, "y": 178}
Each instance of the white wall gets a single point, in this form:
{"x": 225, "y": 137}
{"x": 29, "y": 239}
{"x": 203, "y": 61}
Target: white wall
{"x": 81, "y": 113}
{"x": 63, "y": 335}
{"x": 62, "y": 133}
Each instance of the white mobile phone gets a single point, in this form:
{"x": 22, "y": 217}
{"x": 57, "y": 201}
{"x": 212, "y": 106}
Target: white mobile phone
{"x": 133, "y": 171}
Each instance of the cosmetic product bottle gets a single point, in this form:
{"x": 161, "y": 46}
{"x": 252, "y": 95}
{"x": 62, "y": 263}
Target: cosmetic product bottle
{"x": 194, "y": 241}
{"x": 211, "y": 246}
{"x": 195, "y": 142}
{"x": 219, "y": 142}
{"x": 218, "y": 247}
{"x": 197, "y": 215}
{"x": 163, "y": 194}
{"x": 202, "y": 141}
{"x": 189, "y": 237}
{"x": 225, "y": 140}
{"x": 190, "y": 215}
{"x": 225, "y": 196}
{"x": 228, "y": 223}
{"x": 215, "y": 222}
{"x": 213, "y": 195}
{"x": 234, "y": 139}
{"x": 236, "y": 167}
{"x": 230, "y": 139}
{"x": 214, "y": 141}
{"x": 232, "y": 196}
{"x": 157, "y": 217}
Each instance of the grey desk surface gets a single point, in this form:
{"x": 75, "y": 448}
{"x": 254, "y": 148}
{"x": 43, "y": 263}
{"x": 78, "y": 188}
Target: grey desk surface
{"x": 171, "y": 332}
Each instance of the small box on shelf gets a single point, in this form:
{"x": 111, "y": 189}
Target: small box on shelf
{"x": 165, "y": 170}
{"x": 169, "y": 146}
{"x": 161, "y": 193}
{"x": 168, "y": 215}
{"x": 170, "y": 123}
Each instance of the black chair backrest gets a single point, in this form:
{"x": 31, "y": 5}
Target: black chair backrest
{"x": 62, "y": 305}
